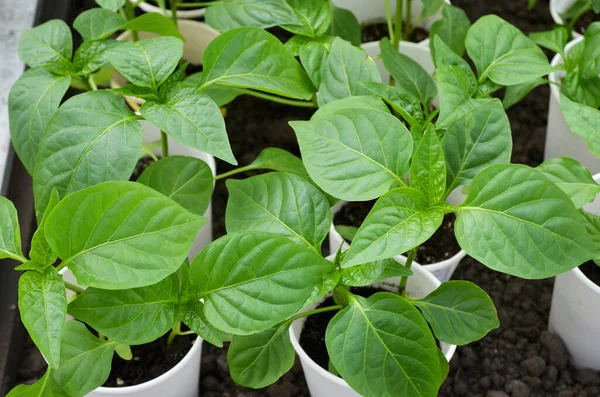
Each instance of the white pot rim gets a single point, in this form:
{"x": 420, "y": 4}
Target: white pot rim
{"x": 554, "y": 77}
{"x": 558, "y": 19}
{"x": 193, "y": 13}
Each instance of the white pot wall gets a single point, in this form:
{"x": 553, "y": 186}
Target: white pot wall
{"x": 322, "y": 383}
{"x": 181, "y": 13}
{"x": 574, "y": 311}
{"x": 558, "y": 7}
{"x": 560, "y": 140}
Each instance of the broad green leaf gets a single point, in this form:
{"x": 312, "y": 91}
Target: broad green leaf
{"x": 120, "y": 235}
{"x": 147, "y": 62}
{"x": 400, "y": 100}
{"x": 373, "y": 272}
{"x": 502, "y": 53}
{"x": 347, "y": 232}
{"x": 456, "y": 87}
{"x": 48, "y": 45}
{"x": 452, "y": 29}
{"x": 154, "y": 22}
{"x": 136, "y": 91}
{"x": 430, "y": 8}
{"x": 253, "y": 58}
{"x": 428, "y": 167}
{"x": 345, "y": 67}
{"x": 383, "y": 347}
{"x": 445, "y": 56}
{"x": 186, "y": 180}
{"x": 355, "y": 154}
{"x": 344, "y": 25}
{"x": 408, "y": 74}
{"x": 91, "y": 56}
{"x": 585, "y": 92}
{"x": 229, "y": 14}
{"x": 584, "y": 121}
{"x": 252, "y": 281}
{"x": 41, "y": 252}
{"x": 555, "y": 40}
{"x": 313, "y": 17}
{"x": 314, "y": 57}
{"x": 279, "y": 160}
{"x": 399, "y": 221}
{"x": 516, "y": 221}
{"x": 98, "y": 23}
{"x": 360, "y": 103}
{"x": 459, "y": 312}
{"x": 573, "y": 178}
{"x": 130, "y": 316}
{"x": 589, "y": 64}
{"x": 191, "y": 117}
{"x": 10, "y": 233}
{"x": 515, "y": 93}
{"x": 325, "y": 286}
{"x": 574, "y": 55}
{"x": 592, "y": 225}
{"x": 192, "y": 315}
{"x": 85, "y": 360}
{"x": 478, "y": 137}
{"x": 32, "y": 101}
{"x": 296, "y": 42}
{"x": 43, "y": 307}
{"x": 278, "y": 203}
{"x": 92, "y": 138}
{"x": 259, "y": 360}
{"x": 45, "y": 387}
{"x": 596, "y": 6}
{"x": 112, "y": 5}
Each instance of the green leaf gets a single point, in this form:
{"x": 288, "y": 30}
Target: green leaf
{"x": 428, "y": 167}
{"x": 41, "y": 252}
{"x": 279, "y": 160}
{"x": 124, "y": 351}
{"x": 360, "y": 103}
{"x": 314, "y": 57}
{"x": 452, "y": 29}
{"x": 45, "y": 387}
{"x": 592, "y": 225}
{"x": 444, "y": 365}
{"x": 382, "y": 346}
{"x": 259, "y": 360}
{"x": 229, "y": 14}
{"x": 154, "y": 22}
{"x": 400, "y": 220}
{"x": 531, "y": 4}
{"x": 264, "y": 65}
{"x": 85, "y": 360}
{"x": 10, "y": 234}
{"x": 177, "y": 77}
{"x": 325, "y": 286}
{"x": 112, "y": 5}
{"x": 459, "y": 312}
{"x": 477, "y": 137}
{"x": 278, "y": 203}
{"x": 130, "y": 316}
{"x": 503, "y": 54}
{"x": 573, "y": 178}
{"x": 445, "y": 56}
{"x": 516, "y": 221}
{"x": 515, "y": 93}
{"x": 355, "y": 154}
{"x": 430, "y": 8}
{"x": 314, "y": 17}
{"x": 373, "y": 272}
{"x": 584, "y": 121}
{"x": 98, "y": 23}
{"x": 43, "y": 307}
{"x": 344, "y": 25}
{"x": 148, "y": 62}
{"x": 408, "y": 74}
{"x": 589, "y": 64}
{"x": 252, "y": 281}
{"x": 555, "y": 40}
{"x": 193, "y": 118}
{"x": 585, "y": 92}
{"x": 596, "y": 6}
{"x": 92, "y": 138}
{"x": 32, "y": 101}
{"x": 136, "y": 91}
{"x": 186, "y": 180}
{"x": 48, "y": 45}
{"x": 345, "y": 67}
{"x": 121, "y": 235}
{"x": 400, "y": 100}
{"x": 192, "y": 315}
{"x": 456, "y": 87}
{"x": 347, "y": 232}
{"x": 91, "y": 56}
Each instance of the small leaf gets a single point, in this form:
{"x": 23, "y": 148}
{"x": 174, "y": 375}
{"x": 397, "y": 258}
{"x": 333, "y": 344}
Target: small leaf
{"x": 136, "y": 91}
{"x": 459, "y": 312}
{"x": 344, "y": 25}
{"x": 192, "y": 315}
{"x": 325, "y": 286}
{"x": 573, "y": 178}
{"x": 279, "y": 160}
{"x": 252, "y": 281}
{"x": 313, "y": 17}
{"x": 112, "y": 5}
{"x": 229, "y": 14}
{"x": 400, "y": 100}
{"x": 259, "y": 360}
{"x": 582, "y": 91}
{"x": 154, "y": 22}
{"x": 359, "y": 102}
{"x": 428, "y": 167}
{"x": 373, "y": 272}
{"x": 45, "y": 387}
{"x": 430, "y": 8}
{"x": 399, "y": 221}
{"x": 98, "y": 23}
{"x": 10, "y": 233}
{"x": 347, "y": 232}
{"x": 384, "y": 335}
{"x": 451, "y": 28}
{"x": 124, "y": 351}
{"x": 176, "y": 77}
{"x": 456, "y": 87}
{"x": 91, "y": 56}
{"x": 445, "y": 56}
{"x": 186, "y": 180}
{"x": 555, "y": 40}
{"x": 48, "y": 45}
{"x": 584, "y": 121}
{"x": 43, "y": 306}
{"x": 121, "y": 235}
{"x": 589, "y": 64}
{"x": 314, "y": 56}
{"x": 41, "y": 252}
{"x": 515, "y": 93}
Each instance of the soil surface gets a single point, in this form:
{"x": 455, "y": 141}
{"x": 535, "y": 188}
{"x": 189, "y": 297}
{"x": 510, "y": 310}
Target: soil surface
{"x": 353, "y": 213}
{"x": 591, "y": 271}
{"x": 377, "y": 31}
{"x": 586, "y": 20}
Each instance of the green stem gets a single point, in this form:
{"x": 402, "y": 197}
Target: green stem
{"x": 388, "y": 18}
{"x": 61, "y": 266}
{"x": 398, "y": 27}
{"x": 137, "y": 3}
{"x": 409, "y": 260}
{"x": 409, "y": 27}
{"x": 273, "y": 98}
{"x": 316, "y": 311}
{"x": 92, "y": 83}
{"x": 173, "y": 6}
{"x": 431, "y": 116}
{"x": 131, "y": 15}
{"x": 235, "y": 171}
{"x": 164, "y": 143}
{"x": 78, "y": 290}
{"x": 184, "y": 333}
{"x": 174, "y": 332}
{"x": 193, "y": 5}
{"x": 17, "y": 257}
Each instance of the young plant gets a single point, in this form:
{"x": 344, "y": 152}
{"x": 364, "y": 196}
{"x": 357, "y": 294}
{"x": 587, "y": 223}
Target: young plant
{"x": 578, "y": 10}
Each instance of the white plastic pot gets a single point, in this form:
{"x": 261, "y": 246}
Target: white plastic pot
{"x": 574, "y": 311}
{"x": 197, "y": 36}
{"x": 322, "y": 383}
{"x": 181, "y": 13}
{"x": 374, "y": 10}
{"x": 560, "y": 140}
{"x": 183, "y": 380}
{"x": 558, "y": 7}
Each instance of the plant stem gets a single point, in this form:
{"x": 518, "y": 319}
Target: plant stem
{"x": 164, "y": 143}
{"x": 193, "y": 5}
{"x": 388, "y": 17}
{"x": 131, "y": 15}
{"x": 398, "y": 26}
{"x": 409, "y": 260}
{"x": 174, "y": 332}
{"x": 235, "y": 171}
{"x": 273, "y": 98}
{"x": 173, "y": 6}
{"x": 92, "y": 83}
{"x": 78, "y": 290}
{"x": 61, "y": 266}
{"x": 409, "y": 28}
{"x": 137, "y": 3}
{"x": 19, "y": 258}
{"x": 316, "y": 311}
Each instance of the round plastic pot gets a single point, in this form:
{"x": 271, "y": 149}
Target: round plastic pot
{"x": 560, "y": 140}
{"x": 197, "y": 36}
{"x": 183, "y": 380}
{"x": 322, "y": 383}
{"x": 558, "y": 7}
{"x": 574, "y": 312}
{"x": 183, "y": 14}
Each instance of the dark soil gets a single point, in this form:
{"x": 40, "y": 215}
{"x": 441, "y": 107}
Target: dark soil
{"x": 353, "y": 213}
{"x": 586, "y": 20}
{"x": 149, "y": 361}
{"x": 591, "y": 271}
{"x": 441, "y": 246}
{"x": 191, "y": 69}
{"x": 377, "y": 31}
{"x": 141, "y": 166}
